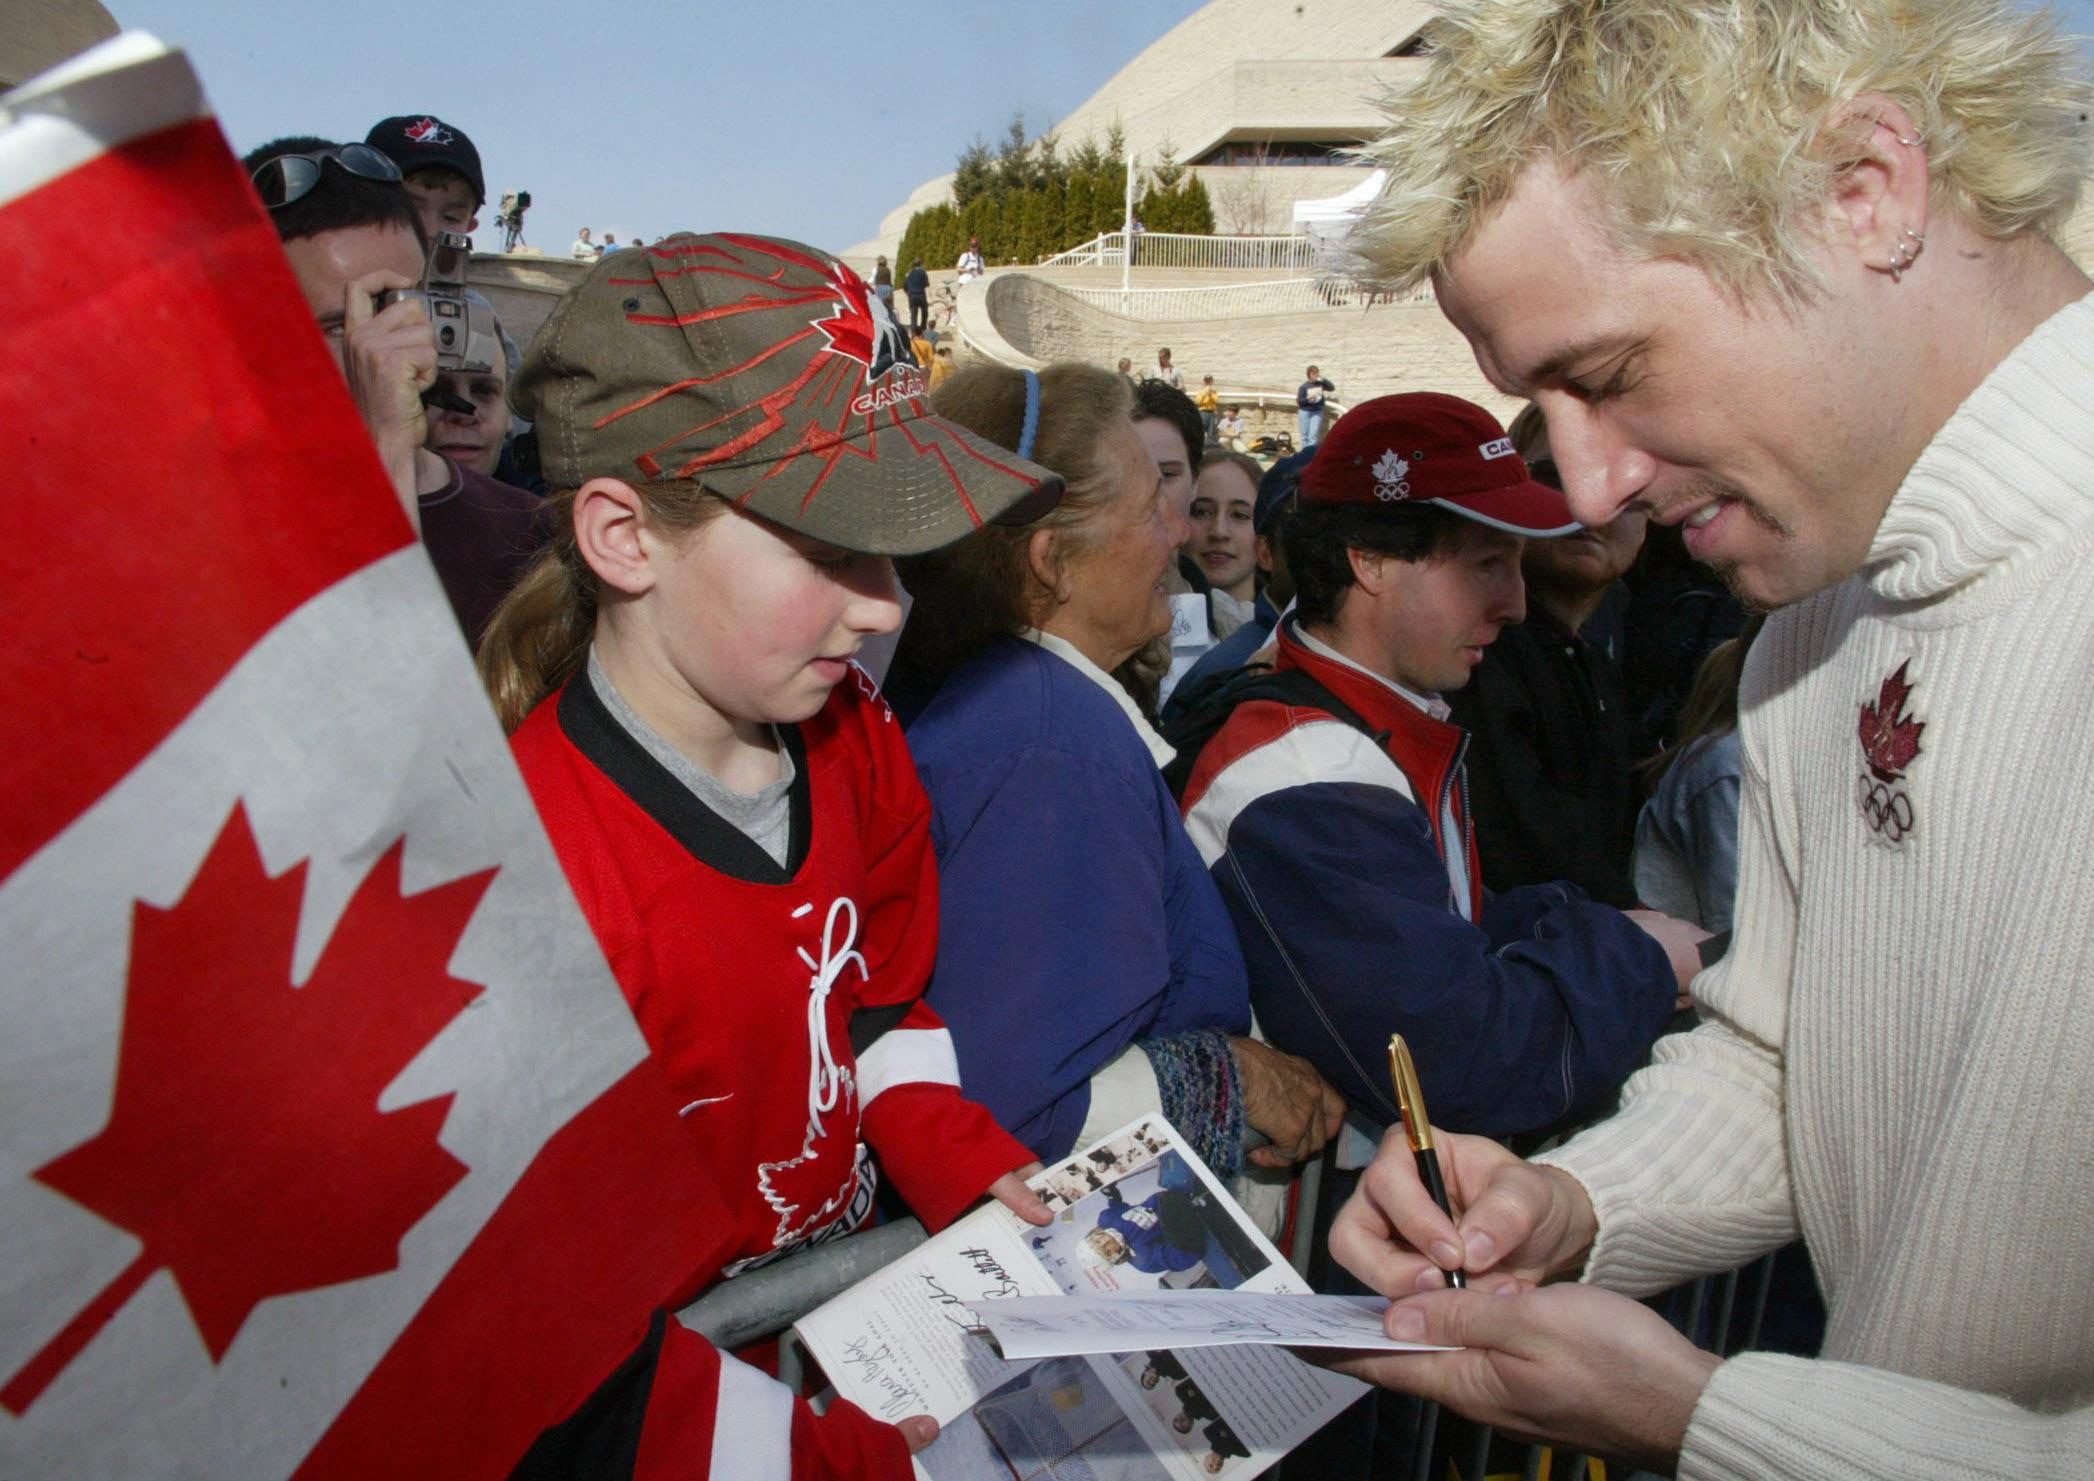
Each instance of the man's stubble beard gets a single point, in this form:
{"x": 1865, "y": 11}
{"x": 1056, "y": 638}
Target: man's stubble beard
{"x": 1727, "y": 571}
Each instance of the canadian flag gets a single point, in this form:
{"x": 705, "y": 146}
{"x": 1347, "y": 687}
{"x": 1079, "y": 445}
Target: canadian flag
{"x": 327, "y": 1141}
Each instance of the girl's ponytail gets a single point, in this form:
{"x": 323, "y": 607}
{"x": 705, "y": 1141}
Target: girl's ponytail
{"x": 539, "y": 636}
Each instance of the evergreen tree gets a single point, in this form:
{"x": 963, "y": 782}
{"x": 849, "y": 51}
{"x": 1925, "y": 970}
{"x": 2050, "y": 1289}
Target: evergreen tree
{"x": 1167, "y": 172}
{"x": 1027, "y": 201}
{"x": 1109, "y": 196}
{"x": 933, "y": 234}
{"x": 973, "y": 174}
{"x": 1013, "y": 166}
{"x": 1054, "y": 221}
{"x": 1158, "y": 209}
{"x": 974, "y": 220}
{"x": 1048, "y": 171}
{"x": 999, "y": 231}
{"x": 912, "y": 238}
{"x": 1153, "y": 210}
{"x": 1195, "y": 209}
{"x": 1032, "y": 227}
{"x": 1076, "y": 224}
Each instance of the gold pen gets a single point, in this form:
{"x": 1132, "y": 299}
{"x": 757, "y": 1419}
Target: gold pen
{"x": 1410, "y": 1101}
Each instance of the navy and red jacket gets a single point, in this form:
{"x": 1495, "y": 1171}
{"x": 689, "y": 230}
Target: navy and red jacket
{"x": 1331, "y": 850}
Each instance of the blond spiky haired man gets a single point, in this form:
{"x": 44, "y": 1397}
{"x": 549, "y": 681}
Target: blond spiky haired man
{"x": 1782, "y": 272}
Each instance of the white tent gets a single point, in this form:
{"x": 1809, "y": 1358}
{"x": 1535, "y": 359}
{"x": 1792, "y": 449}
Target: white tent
{"x": 1328, "y": 222}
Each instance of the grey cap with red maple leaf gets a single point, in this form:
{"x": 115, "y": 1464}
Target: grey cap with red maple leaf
{"x": 770, "y": 373}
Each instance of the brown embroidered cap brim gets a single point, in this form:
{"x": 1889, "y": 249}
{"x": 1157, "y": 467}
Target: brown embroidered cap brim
{"x": 772, "y": 374}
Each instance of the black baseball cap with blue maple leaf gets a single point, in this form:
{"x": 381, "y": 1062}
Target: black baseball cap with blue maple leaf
{"x": 771, "y": 374}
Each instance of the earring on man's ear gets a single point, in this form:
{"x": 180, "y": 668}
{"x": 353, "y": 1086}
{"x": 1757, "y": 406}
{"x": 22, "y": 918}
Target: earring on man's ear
{"x": 1903, "y": 255}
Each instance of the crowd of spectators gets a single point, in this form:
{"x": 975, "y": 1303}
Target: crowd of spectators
{"x": 1030, "y": 679}
{"x": 1195, "y": 775}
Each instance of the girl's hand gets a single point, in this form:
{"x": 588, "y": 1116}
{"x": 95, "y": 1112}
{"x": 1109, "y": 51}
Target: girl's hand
{"x": 919, "y": 1430}
{"x": 1010, "y": 1191}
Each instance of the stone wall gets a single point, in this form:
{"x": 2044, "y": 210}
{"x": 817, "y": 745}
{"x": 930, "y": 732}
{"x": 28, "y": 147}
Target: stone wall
{"x": 1020, "y": 317}
{"x": 523, "y": 288}
{"x": 1367, "y": 351}
{"x": 1017, "y": 316}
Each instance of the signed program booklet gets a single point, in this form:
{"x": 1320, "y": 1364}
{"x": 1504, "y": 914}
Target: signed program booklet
{"x": 1136, "y": 1213}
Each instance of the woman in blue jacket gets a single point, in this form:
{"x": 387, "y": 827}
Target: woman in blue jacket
{"x": 1087, "y": 968}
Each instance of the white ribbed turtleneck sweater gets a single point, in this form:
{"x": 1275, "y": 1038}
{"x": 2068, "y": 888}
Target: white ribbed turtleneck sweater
{"x": 1901, "y": 1057}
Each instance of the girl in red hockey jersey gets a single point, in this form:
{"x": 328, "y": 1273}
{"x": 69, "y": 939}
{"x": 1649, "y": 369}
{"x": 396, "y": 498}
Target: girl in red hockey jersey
{"x": 736, "y": 429}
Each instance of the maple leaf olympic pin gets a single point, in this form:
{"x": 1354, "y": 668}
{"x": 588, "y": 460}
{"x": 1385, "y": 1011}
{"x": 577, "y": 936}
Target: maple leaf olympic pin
{"x": 1890, "y": 743}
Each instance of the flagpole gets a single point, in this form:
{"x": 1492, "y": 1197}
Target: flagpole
{"x": 1127, "y": 236}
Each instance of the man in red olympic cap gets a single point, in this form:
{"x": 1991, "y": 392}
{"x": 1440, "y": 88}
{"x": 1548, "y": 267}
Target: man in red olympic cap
{"x": 1333, "y": 810}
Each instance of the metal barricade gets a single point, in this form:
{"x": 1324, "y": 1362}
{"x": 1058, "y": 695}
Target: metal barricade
{"x": 766, "y": 1302}
{"x": 1162, "y": 249}
{"x": 1705, "y": 1311}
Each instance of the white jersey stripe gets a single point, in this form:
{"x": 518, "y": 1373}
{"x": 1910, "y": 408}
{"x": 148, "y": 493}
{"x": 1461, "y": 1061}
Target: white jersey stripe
{"x": 752, "y": 1425}
{"x": 1318, "y": 751}
{"x": 907, "y": 1056}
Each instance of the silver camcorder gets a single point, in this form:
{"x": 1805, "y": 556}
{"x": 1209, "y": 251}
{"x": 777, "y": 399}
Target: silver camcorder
{"x": 465, "y": 337}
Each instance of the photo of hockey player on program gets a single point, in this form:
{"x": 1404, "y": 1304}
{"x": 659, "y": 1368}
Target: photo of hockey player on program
{"x": 1157, "y": 1227}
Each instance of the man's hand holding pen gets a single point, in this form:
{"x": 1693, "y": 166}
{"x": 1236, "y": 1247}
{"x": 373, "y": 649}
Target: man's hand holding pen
{"x": 1569, "y": 1363}
{"x": 1513, "y": 1222}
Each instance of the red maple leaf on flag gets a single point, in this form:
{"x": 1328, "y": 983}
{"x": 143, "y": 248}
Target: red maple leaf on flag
{"x": 1890, "y": 737}
{"x": 244, "y": 1147}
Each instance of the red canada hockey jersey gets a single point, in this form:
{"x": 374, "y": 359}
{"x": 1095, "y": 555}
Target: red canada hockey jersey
{"x": 783, "y": 1002}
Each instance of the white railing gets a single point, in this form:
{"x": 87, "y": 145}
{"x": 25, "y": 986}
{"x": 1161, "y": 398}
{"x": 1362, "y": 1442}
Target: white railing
{"x": 1233, "y": 300}
{"x": 1172, "y": 249}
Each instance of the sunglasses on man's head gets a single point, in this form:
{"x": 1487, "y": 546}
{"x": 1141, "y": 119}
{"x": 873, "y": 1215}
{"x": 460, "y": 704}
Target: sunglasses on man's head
{"x": 291, "y": 177}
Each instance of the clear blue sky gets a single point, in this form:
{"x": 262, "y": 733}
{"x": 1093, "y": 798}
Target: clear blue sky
{"x": 808, "y": 119}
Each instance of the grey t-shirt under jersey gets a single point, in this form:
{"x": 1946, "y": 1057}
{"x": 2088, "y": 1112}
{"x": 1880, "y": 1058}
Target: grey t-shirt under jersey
{"x": 764, "y": 818}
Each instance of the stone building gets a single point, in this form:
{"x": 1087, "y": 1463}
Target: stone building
{"x": 36, "y": 35}
{"x": 1260, "y": 97}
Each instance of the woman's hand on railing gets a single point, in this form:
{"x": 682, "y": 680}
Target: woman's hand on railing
{"x": 1286, "y": 1099}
